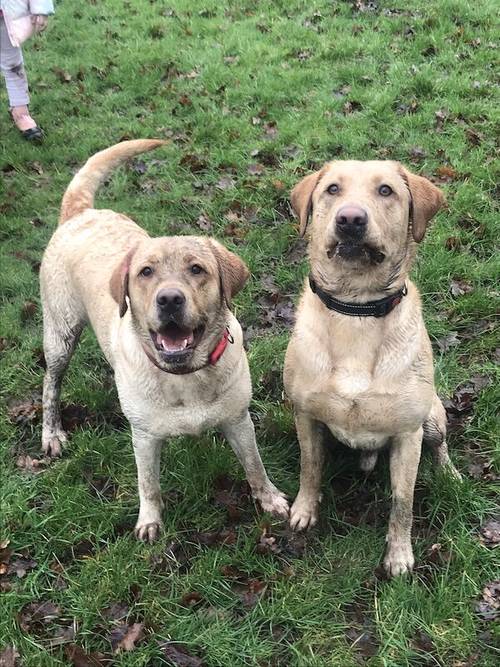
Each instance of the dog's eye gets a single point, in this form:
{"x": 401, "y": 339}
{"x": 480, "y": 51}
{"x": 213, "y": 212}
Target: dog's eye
{"x": 333, "y": 189}
{"x": 385, "y": 190}
{"x": 146, "y": 272}
{"x": 196, "y": 268}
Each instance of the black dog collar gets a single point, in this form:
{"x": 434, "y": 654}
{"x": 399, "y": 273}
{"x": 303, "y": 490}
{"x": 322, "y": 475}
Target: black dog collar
{"x": 379, "y": 308}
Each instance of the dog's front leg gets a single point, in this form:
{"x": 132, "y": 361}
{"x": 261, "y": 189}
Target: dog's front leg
{"x": 241, "y": 436}
{"x": 404, "y": 460}
{"x": 147, "y": 449}
{"x": 304, "y": 512}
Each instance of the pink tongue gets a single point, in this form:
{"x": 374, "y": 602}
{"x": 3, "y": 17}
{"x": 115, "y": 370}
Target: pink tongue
{"x": 174, "y": 343}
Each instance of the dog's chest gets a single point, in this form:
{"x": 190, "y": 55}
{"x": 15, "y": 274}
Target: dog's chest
{"x": 179, "y": 405}
{"x": 355, "y": 369}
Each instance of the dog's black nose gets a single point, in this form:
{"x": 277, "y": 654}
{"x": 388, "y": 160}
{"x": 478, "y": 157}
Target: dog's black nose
{"x": 351, "y": 221}
{"x": 170, "y": 301}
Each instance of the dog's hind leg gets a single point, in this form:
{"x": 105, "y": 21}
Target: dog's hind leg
{"x": 60, "y": 336}
{"x": 435, "y": 436}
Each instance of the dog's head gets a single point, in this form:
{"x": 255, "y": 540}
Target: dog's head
{"x": 179, "y": 289}
{"x": 365, "y": 220}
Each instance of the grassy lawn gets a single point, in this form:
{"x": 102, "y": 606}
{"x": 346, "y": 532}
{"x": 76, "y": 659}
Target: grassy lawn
{"x": 252, "y": 95}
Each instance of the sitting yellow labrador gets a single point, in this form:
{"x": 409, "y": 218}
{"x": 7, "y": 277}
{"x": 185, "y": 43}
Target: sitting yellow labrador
{"x": 160, "y": 310}
{"x": 360, "y": 361}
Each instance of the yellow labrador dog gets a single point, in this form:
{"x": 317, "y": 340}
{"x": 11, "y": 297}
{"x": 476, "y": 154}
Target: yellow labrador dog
{"x": 160, "y": 310}
{"x": 360, "y": 361}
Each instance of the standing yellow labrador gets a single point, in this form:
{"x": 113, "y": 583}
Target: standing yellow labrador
{"x": 360, "y": 360}
{"x": 160, "y": 310}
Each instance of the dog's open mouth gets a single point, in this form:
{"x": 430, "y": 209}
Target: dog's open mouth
{"x": 356, "y": 251}
{"x": 174, "y": 342}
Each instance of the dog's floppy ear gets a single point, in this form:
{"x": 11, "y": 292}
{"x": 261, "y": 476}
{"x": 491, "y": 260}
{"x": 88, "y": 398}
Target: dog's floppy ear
{"x": 233, "y": 271}
{"x": 118, "y": 284}
{"x": 301, "y": 197}
{"x": 426, "y": 200}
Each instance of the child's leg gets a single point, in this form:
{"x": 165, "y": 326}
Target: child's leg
{"x": 12, "y": 66}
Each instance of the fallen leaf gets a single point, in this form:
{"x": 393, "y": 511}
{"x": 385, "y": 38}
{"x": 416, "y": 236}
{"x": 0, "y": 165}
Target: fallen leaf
{"x": 20, "y": 566}
{"x": 305, "y": 54}
{"x": 235, "y": 231}
{"x": 139, "y": 167}
{"x": 124, "y": 637}
{"x": 270, "y": 130}
{"x": 75, "y": 415}
{"x": 232, "y": 494}
{"x": 36, "y": 222}
{"x": 212, "y": 538}
{"x": 446, "y": 342}
{"x": 417, "y": 153}
{"x": 193, "y": 162}
{"x": 63, "y": 634}
{"x": 452, "y": 243}
{"x": 410, "y": 108}
{"x": 351, "y": 106}
{"x": 116, "y": 611}
{"x": 27, "y": 463}
{"x": 225, "y": 183}
{"x": 423, "y": 642}
{"x": 483, "y": 469}
{"x": 157, "y": 32}
{"x": 436, "y": 555}
{"x": 191, "y": 599}
{"x": 204, "y": 223}
{"x": 490, "y": 532}
{"x": 275, "y": 307}
{"x": 488, "y": 608}
{"x": 361, "y": 632}
{"x": 178, "y": 655}
{"x": 462, "y": 400}
{"x": 363, "y": 6}
{"x": 342, "y": 92}
{"x": 473, "y": 136}
{"x": 250, "y": 591}
{"x": 177, "y": 557}
{"x": 446, "y": 173}
{"x": 35, "y": 615}
{"x": 9, "y": 657}
{"x": 62, "y": 74}
{"x": 28, "y": 310}
{"x": 256, "y": 169}
{"x": 80, "y": 658}
{"x": 441, "y": 116}
{"x": 460, "y": 287}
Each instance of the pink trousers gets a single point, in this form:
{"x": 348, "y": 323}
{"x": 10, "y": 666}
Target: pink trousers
{"x": 12, "y": 66}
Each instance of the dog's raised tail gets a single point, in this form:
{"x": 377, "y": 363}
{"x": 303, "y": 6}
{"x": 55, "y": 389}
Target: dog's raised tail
{"x": 80, "y": 192}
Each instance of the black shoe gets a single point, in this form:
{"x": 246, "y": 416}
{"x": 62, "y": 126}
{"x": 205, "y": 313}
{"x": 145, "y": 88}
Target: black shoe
{"x": 33, "y": 134}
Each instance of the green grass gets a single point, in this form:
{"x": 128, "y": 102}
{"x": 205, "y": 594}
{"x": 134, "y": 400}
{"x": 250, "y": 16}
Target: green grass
{"x": 268, "y": 77}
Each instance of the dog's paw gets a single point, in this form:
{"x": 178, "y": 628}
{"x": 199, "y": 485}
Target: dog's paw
{"x": 273, "y": 501}
{"x": 304, "y": 514}
{"x": 52, "y": 443}
{"x": 398, "y": 560}
{"x": 148, "y": 531}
